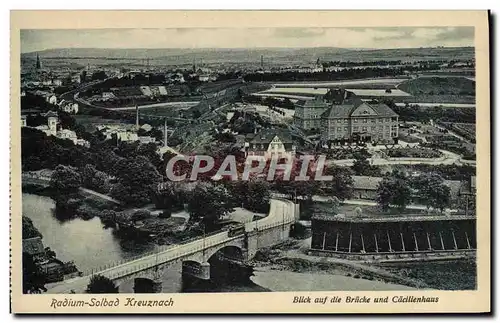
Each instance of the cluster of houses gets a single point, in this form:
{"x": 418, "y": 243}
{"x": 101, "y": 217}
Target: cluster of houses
{"x": 51, "y": 128}
{"x": 64, "y": 105}
{"x": 125, "y": 132}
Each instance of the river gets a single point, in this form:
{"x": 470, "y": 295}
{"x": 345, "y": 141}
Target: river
{"x": 90, "y": 245}
{"x": 87, "y": 243}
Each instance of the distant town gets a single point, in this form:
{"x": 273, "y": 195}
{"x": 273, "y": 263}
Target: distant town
{"x": 99, "y": 127}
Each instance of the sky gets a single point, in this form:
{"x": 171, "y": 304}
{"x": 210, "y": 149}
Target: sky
{"x": 376, "y": 38}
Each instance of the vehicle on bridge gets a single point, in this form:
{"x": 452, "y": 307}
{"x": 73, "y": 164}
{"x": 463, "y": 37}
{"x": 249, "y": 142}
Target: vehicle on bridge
{"x": 236, "y": 230}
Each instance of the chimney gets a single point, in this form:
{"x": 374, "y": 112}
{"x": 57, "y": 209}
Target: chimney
{"x": 137, "y": 116}
{"x": 165, "y": 134}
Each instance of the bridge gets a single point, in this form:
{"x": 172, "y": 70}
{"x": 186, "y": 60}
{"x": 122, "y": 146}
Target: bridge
{"x": 240, "y": 245}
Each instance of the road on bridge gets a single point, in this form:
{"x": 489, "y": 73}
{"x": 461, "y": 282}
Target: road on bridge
{"x": 281, "y": 212}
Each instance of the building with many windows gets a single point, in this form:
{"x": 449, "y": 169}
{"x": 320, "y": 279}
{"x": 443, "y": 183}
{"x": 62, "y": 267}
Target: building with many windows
{"x": 308, "y": 113}
{"x": 341, "y": 116}
{"x": 357, "y": 120}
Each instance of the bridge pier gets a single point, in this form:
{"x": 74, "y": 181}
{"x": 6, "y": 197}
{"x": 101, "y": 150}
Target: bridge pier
{"x": 157, "y": 286}
{"x": 145, "y": 285}
{"x": 194, "y": 269}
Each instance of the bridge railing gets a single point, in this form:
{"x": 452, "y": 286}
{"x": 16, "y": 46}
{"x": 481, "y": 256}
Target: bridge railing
{"x": 157, "y": 250}
{"x": 132, "y": 268}
{"x": 167, "y": 253}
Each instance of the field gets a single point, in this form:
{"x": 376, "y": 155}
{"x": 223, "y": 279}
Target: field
{"x": 378, "y": 83}
{"x": 299, "y": 92}
{"x": 440, "y": 89}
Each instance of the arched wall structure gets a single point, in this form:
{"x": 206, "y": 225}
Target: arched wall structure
{"x": 394, "y": 237}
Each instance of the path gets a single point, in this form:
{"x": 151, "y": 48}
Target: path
{"x": 103, "y": 196}
{"x": 46, "y": 180}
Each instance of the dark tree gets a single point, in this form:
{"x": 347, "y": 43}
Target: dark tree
{"x": 101, "y": 285}
{"x": 65, "y": 180}
{"x": 137, "y": 180}
{"x": 33, "y": 279}
{"x": 361, "y": 165}
{"x": 29, "y": 230}
{"x": 394, "y": 189}
{"x": 209, "y": 203}
{"x": 432, "y": 191}
{"x": 342, "y": 183}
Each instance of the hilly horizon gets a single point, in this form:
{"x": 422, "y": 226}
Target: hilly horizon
{"x": 253, "y": 55}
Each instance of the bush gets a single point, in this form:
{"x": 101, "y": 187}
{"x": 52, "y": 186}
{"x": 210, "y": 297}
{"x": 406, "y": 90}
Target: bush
{"x": 101, "y": 285}
{"x": 414, "y": 153}
{"x": 140, "y": 215}
{"x": 165, "y": 214}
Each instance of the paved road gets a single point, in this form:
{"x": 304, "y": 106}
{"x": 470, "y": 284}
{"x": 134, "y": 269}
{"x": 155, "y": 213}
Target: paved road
{"x": 281, "y": 212}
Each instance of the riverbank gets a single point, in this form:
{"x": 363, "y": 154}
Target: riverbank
{"x": 287, "y": 267}
{"x": 284, "y": 281}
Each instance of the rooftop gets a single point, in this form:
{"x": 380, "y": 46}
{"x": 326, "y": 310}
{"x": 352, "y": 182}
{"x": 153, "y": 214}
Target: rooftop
{"x": 348, "y": 108}
{"x": 33, "y": 245}
{"x": 406, "y": 218}
{"x": 317, "y": 102}
{"x": 265, "y": 136}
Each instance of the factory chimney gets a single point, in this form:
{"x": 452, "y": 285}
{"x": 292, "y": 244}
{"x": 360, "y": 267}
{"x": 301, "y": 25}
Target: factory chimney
{"x": 38, "y": 64}
{"x": 137, "y": 116}
{"x": 165, "y": 134}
